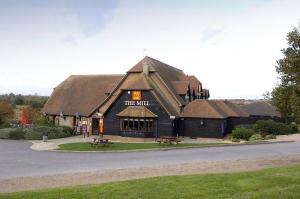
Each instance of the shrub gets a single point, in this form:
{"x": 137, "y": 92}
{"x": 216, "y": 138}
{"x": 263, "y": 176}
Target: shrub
{"x": 247, "y": 126}
{"x": 242, "y": 133}
{"x": 59, "y": 132}
{"x": 4, "y": 133}
{"x": 37, "y": 133}
{"x": 44, "y": 121}
{"x": 271, "y": 136}
{"x": 68, "y": 130}
{"x": 255, "y": 137}
{"x": 235, "y": 140}
{"x": 266, "y": 127}
{"x": 295, "y": 127}
{"x": 17, "y": 134}
{"x": 5, "y": 125}
{"x": 282, "y": 129}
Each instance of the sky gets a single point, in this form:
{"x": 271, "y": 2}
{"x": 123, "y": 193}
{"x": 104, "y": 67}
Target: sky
{"x": 231, "y": 46}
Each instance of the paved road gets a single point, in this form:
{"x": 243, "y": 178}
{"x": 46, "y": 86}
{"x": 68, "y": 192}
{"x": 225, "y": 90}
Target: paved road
{"x": 18, "y": 160}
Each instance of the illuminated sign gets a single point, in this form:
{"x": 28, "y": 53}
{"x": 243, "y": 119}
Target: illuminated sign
{"x": 136, "y": 95}
{"x": 136, "y": 103}
{"x": 101, "y": 126}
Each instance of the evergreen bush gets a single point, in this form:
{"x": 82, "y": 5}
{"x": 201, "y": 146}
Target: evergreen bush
{"x": 242, "y": 133}
{"x": 256, "y": 137}
{"x": 17, "y": 134}
{"x": 4, "y": 133}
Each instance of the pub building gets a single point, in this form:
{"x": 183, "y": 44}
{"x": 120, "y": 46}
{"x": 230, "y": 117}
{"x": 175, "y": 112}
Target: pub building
{"x": 152, "y": 99}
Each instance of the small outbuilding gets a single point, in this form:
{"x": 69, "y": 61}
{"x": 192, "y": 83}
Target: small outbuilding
{"x": 209, "y": 118}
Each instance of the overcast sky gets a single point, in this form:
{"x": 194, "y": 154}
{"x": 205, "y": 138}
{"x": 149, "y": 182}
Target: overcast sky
{"x": 230, "y": 46}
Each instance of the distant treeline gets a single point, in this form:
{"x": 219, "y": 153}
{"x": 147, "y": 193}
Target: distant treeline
{"x": 33, "y": 101}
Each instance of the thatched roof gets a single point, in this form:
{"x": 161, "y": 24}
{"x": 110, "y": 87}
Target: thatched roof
{"x": 181, "y": 87}
{"x": 212, "y": 109}
{"x": 261, "y": 108}
{"x": 85, "y": 94}
{"x": 80, "y": 94}
{"x": 136, "y": 112}
{"x": 165, "y": 82}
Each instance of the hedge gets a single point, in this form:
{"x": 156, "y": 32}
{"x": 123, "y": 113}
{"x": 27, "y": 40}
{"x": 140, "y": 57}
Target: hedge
{"x": 266, "y": 127}
{"x": 36, "y": 133}
{"x": 17, "y": 134}
{"x": 4, "y": 133}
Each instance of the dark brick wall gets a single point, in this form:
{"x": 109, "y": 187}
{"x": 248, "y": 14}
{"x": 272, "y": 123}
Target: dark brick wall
{"x": 211, "y": 128}
{"x": 112, "y": 121}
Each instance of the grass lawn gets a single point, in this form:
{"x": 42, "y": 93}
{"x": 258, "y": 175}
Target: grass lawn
{"x": 129, "y": 146}
{"x": 283, "y": 183}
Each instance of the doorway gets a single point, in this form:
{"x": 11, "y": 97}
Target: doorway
{"x": 95, "y": 126}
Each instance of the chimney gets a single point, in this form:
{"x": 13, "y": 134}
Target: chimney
{"x": 146, "y": 67}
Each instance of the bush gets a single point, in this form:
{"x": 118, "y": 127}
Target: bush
{"x": 5, "y": 125}
{"x": 247, "y": 126}
{"x": 271, "y": 136}
{"x": 255, "y": 137}
{"x": 235, "y": 140}
{"x": 242, "y": 133}
{"x": 37, "y": 133}
{"x": 44, "y": 121}
{"x": 295, "y": 127}
{"x": 4, "y": 133}
{"x": 68, "y": 130}
{"x": 17, "y": 134}
{"x": 266, "y": 127}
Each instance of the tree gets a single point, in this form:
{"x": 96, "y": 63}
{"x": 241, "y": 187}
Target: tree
{"x": 286, "y": 96}
{"x": 6, "y": 112}
{"x": 19, "y": 100}
{"x": 34, "y": 115}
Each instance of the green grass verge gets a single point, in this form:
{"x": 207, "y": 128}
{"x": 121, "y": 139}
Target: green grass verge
{"x": 275, "y": 183}
{"x": 116, "y": 146}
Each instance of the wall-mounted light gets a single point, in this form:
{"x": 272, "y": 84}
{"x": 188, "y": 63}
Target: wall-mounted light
{"x": 201, "y": 122}
{"x": 172, "y": 117}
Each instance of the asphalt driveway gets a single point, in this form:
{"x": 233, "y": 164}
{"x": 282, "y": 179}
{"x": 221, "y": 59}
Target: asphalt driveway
{"x": 18, "y": 160}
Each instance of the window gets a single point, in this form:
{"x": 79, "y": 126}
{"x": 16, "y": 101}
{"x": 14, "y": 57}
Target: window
{"x": 137, "y": 125}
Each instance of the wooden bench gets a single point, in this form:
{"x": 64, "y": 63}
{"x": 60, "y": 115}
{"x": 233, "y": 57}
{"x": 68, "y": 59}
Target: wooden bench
{"x": 100, "y": 141}
{"x": 168, "y": 140}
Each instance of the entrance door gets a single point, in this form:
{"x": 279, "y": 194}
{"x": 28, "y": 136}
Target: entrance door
{"x": 95, "y": 126}
{"x": 180, "y": 127}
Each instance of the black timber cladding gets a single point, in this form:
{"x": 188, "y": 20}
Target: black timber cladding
{"x": 112, "y": 121}
{"x": 203, "y": 127}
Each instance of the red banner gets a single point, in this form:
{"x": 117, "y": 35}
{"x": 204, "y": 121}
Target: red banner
{"x": 24, "y": 119}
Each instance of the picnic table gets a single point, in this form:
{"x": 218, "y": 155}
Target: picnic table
{"x": 168, "y": 140}
{"x": 100, "y": 141}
